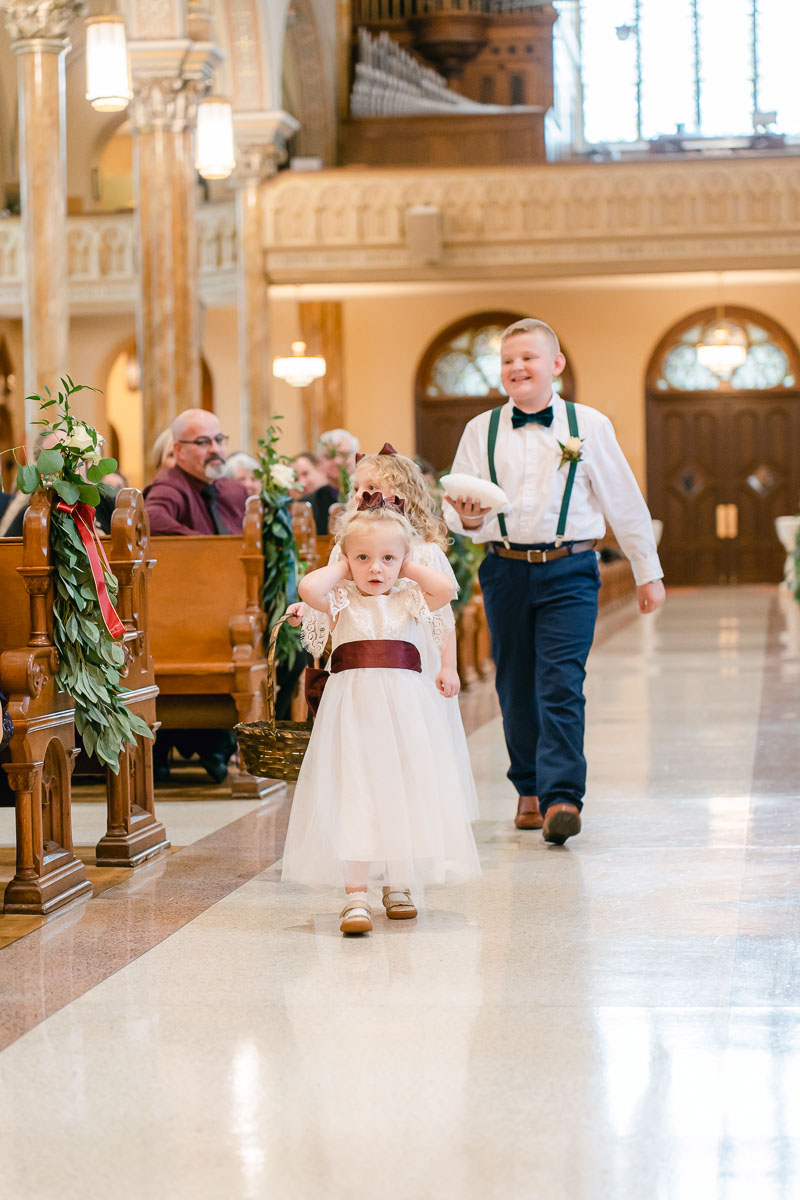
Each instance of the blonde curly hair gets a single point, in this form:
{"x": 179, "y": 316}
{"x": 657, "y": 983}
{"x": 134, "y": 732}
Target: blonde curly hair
{"x": 400, "y": 476}
{"x": 363, "y": 518}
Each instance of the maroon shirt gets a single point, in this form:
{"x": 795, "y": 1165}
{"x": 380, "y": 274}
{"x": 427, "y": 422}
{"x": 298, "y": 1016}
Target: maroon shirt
{"x": 175, "y": 503}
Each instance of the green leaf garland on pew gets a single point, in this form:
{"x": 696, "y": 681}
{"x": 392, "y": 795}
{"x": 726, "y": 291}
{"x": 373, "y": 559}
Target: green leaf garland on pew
{"x": 91, "y": 661}
{"x": 282, "y": 565}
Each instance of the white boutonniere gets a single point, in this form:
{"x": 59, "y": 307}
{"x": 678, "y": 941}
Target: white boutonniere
{"x": 571, "y": 451}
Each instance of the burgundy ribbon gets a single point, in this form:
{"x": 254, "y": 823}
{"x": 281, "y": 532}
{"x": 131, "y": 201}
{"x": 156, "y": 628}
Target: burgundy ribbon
{"x": 352, "y": 656}
{"x": 83, "y": 515}
{"x": 386, "y": 448}
{"x": 370, "y": 500}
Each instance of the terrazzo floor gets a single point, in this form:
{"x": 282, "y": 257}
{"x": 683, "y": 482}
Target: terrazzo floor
{"x": 617, "y": 1018}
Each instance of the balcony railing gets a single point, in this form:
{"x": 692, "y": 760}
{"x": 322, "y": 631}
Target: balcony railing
{"x": 348, "y": 225}
{"x": 100, "y": 259}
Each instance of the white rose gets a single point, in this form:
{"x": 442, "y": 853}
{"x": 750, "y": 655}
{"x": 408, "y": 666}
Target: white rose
{"x": 281, "y": 474}
{"x": 82, "y": 439}
{"x": 573, "y": 445}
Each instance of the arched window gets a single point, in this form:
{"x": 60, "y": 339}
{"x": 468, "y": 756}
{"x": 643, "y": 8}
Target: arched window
{"x": 459, "y": 377}
{"x": 770, "y": 364}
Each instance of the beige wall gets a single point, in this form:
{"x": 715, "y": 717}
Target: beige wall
{"x": 609, "y": 328}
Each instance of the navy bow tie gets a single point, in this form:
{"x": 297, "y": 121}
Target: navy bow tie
{"x": 543, "y": 417}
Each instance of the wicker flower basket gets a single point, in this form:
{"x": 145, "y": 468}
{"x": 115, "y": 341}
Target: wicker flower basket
{"x": 273, "y": 749}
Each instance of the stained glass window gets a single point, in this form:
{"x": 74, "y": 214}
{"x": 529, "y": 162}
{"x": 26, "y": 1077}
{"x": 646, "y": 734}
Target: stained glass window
{"x": 766, "y": 366}
{"x": 469, "y": 365}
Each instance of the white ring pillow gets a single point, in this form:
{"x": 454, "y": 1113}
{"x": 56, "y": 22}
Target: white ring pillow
{"x": 489, "y": 495}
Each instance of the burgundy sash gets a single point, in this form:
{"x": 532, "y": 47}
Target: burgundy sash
{"x": 351, "y": 656}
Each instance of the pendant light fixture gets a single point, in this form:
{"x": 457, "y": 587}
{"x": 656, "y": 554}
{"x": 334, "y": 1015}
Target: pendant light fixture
{"x": 722, "y": 347}
{"x": 215, "y": 157}
{"x": 108, "y": 75}
{"x": 300, "y": 369}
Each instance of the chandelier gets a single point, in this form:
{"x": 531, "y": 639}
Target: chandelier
{"x": 215, "y": 157}
{"x": 108, "y": 76}
{"x": 300, "y": 369}
{"x": 722, "y": 347}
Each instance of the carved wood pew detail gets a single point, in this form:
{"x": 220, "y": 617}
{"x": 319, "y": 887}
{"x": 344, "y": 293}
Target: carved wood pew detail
{"x": 210, "y": 666}
{"x": 40, "y": 757}
{"x": 133, "y": 834}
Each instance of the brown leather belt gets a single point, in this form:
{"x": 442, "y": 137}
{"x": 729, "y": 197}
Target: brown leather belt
{"x": 540, "y": 556}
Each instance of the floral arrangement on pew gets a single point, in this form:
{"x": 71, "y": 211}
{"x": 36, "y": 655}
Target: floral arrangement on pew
{"x": 86, "y": 630}
{"x": 282, "y": 563}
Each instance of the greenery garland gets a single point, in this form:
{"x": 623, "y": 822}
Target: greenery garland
{"x": 90, "y": 660}
{"x": 282, "y": 564}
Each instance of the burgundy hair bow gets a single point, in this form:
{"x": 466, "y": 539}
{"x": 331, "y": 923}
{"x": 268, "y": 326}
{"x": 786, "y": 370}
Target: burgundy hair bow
{"x": 386, "y": 448}
{"x": 370, "y": 500}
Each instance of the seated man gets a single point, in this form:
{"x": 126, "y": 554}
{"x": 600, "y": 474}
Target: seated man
{"x": 337, "y": 454}
{"x": 193, "y": 498}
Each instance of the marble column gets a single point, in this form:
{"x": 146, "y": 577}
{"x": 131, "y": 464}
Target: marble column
{"x": 323, "y": 400}
{"x": 169, "y": 78}
{"x": 260, "y": 148}
{"x": 38, "y": 32}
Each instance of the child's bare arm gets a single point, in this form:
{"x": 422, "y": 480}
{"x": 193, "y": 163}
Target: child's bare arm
{"x": 436, "y": 587}
{"x": 316, "y": 585}
{"x": 447, "y": 681}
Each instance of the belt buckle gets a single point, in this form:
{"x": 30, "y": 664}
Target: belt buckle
{"x": 542, "y": 553}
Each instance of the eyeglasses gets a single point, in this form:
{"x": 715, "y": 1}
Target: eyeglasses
{"x": 205, "y": 442}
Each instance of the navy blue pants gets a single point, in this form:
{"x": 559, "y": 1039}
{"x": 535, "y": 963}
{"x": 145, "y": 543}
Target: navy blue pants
{"x": 541, "y": 618}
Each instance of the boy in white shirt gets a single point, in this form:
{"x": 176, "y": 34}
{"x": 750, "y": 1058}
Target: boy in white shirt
{"x": 563, "y": 471}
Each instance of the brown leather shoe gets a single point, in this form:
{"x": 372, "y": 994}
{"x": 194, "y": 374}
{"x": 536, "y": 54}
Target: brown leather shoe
{"x": 561, "y": 821}
{"x": 528, "y": 815}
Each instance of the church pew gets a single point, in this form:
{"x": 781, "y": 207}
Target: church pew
{"x": 207, "y": 625}
{"x": 133, "y": 833}
{"x": 39, "y": 760}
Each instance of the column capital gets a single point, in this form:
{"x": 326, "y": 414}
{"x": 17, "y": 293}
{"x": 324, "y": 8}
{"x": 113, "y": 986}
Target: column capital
{"x": 41, "y": 20}
{"x": 261, "y": 139}
{"x": 169, "y": 78}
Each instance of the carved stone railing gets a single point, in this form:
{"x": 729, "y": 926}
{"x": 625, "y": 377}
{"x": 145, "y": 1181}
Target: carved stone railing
{"x": 559, "y": 219}
{"x": 100, "y": 259}
{"x": 542, "y": 220}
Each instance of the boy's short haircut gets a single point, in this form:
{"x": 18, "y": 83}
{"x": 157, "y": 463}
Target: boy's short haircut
{"x": 531, "y": 325}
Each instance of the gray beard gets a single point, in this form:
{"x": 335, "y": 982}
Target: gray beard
{"x": 214, "y": 470}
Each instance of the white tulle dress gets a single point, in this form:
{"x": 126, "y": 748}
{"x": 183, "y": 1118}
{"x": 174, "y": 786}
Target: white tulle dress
{"x": 380, "y": 793}
{"x": 428, "y": 554}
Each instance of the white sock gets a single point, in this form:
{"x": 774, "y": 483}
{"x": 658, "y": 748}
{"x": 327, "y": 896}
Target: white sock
{"x": 357, "y": 897}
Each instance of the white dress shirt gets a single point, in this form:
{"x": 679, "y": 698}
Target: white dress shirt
{"x": 527, "y": 466}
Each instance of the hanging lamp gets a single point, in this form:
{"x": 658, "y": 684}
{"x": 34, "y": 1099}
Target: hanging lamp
{"x": 215, "y": 156}
{"x": 300, "y": 369}
{"x": 722, "y": 347}
{"x": 108, "y": 75}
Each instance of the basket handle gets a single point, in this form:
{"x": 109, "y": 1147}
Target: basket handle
{"x": 273, "y": 641}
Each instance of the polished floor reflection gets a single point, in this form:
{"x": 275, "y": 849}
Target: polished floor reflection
{"x": 617, "y": 1018}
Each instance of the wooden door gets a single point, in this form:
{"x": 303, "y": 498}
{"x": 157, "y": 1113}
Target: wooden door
{"x": 721, "y": 468}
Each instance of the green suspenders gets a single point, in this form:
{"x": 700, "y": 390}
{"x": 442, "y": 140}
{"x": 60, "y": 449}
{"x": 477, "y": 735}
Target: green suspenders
{"x": 494, "y": 425}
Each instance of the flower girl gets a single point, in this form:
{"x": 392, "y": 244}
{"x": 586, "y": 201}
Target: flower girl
{"x": 379, "y": 795}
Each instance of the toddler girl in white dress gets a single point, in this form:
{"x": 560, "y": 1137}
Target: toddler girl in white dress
{"x": 380, "y": 793}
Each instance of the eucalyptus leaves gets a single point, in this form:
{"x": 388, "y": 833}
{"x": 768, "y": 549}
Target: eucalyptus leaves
{"x": 90, "y": 659}
{"x": 281, "y": 561}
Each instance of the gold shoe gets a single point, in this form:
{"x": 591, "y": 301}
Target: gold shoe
{"x": 356, "y": 917}
{"x": 398, "y": 904}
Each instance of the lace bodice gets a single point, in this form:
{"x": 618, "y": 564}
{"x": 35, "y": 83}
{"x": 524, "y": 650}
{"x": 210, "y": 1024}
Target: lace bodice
{"x": 401, "y": 614}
